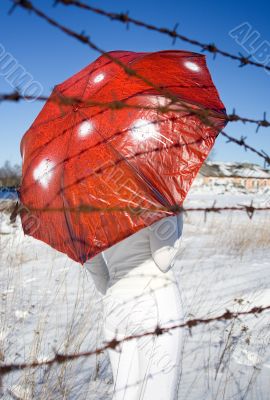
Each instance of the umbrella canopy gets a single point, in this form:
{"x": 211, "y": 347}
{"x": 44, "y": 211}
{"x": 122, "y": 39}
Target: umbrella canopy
{"x": 89, "y": 164}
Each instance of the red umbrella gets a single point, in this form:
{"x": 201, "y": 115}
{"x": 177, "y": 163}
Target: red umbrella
{"x": 88, "y": 166}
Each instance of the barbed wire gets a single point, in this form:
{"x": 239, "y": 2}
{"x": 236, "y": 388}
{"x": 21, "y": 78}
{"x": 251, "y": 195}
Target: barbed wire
{"x": 112, "y": 344}
{"x": 233, "y": 117}
{"x": 126, "y": 19}
{"x": 16, "y": 96}
{"x": 250, "y": 209}
{"x": 241, "y": 142}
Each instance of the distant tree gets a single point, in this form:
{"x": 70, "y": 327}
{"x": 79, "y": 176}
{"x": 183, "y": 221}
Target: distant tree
{"x": 10, "y": 175}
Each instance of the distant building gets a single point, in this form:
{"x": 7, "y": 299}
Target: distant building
{"x": 242, "y": 175}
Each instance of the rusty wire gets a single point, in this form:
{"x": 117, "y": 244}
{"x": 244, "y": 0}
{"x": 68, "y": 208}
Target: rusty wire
{"x": 126, "y": 19}
{"x": 16, "y": 96}
{"x": 15, "y": 210}
{"x": 112, "y": 344}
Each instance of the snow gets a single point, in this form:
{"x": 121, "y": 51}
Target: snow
{"x": 245, "y": 170}
{"x": 48, "y": 303}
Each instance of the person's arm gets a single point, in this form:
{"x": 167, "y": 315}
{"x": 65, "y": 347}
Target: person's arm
{"x": 165, "y": 237}
{"x": 99, "y": 272}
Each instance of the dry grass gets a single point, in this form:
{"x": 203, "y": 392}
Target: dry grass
{"x": 240, "y": 237}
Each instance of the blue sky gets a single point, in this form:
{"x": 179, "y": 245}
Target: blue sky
{"x": 51, "y": 57}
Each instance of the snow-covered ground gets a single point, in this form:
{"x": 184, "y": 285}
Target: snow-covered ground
{"x": 48, "y": 303}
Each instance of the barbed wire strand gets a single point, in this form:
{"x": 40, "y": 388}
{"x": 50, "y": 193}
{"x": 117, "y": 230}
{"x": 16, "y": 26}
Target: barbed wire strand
{"x": 14, "y": 210}
{"x": 126, "y": 19}
{"x": 16, "y": 96}
{"x": 112, "y": 344}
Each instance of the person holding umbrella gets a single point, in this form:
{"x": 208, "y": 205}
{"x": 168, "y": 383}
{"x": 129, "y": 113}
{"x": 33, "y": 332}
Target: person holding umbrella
{"x": 107, "y": 165}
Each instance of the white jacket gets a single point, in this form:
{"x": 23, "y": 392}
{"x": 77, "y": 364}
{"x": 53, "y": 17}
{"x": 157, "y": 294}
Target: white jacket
{"x": 158, "y": 243}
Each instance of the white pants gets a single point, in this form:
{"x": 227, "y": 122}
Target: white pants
{"x": 139, "y": 290}
{"x": 146, "y": 368}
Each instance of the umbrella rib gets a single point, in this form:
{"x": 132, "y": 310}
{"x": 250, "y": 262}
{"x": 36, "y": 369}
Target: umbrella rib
{"x": 73, "y": 237}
